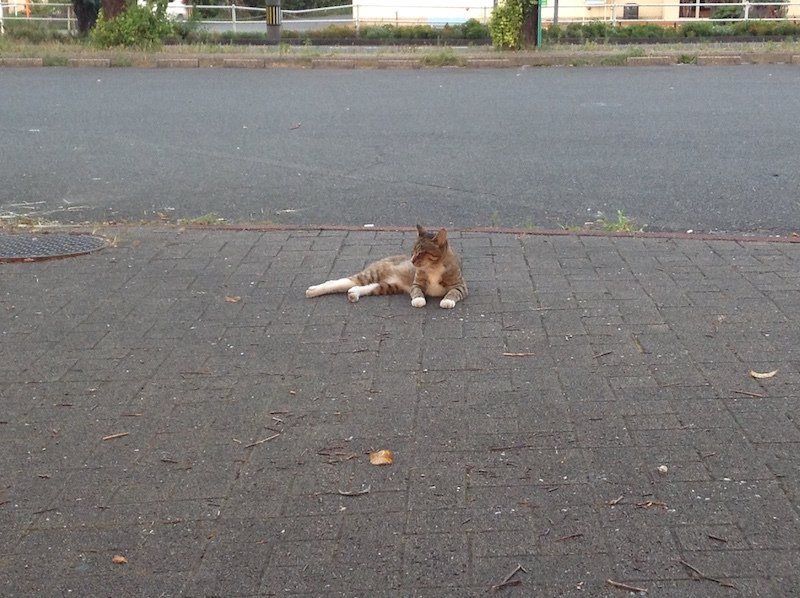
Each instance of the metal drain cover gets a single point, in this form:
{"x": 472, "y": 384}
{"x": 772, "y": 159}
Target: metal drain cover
{"x": 27, "y": 248}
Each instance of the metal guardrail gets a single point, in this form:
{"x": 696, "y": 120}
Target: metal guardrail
{"x": 569, "y": 11}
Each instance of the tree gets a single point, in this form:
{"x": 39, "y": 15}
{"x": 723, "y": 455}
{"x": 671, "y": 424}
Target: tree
{"x": 86, "y": 13}
{"x": 514, "y": 23}
{"x": 111, "y": 8}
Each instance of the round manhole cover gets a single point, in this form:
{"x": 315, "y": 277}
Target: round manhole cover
{"x": 20, "y": 247}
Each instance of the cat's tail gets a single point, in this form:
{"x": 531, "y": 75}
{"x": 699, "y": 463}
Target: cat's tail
{"x": 340, "y": 285}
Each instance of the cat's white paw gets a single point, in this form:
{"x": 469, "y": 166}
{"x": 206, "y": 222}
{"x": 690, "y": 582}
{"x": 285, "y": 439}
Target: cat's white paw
{"x": 352, "y": 294}
{"x": 418, "y": 302}
{"x": 312, "y": 291}
{"x": 447, "y": 303}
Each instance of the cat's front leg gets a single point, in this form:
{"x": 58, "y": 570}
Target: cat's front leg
{"x": 451, "y": 298}
{"x": 417, "y": 296}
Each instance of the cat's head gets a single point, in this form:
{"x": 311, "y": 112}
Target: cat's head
{"x": 429, "y": 247}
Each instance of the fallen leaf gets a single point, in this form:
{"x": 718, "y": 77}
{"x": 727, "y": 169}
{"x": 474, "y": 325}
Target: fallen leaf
{"x": 233, "y": 299}
{"x": 119, "y": 560}
{"x": 163, "y": 217}
{"x": 761, "y": 375}
{"x": 384, "y": 457}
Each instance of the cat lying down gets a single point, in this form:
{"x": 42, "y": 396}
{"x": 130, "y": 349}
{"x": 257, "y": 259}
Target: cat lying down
{"x": 433, "y": 270}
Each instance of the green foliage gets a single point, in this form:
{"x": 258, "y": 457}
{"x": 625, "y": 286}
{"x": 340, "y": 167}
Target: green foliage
{"x": 209, "y": 219}
{"x": 752, "y": 27}
{"x": 617, "y": 60}
{"x": 444, "y": 57}
{"x": 687, "y": 59}
{"x": 728, "y": 12}
{"x": 553, "y": 33}
{"x": 377, "y": 32}
{"x": 337, "y": 32}
{"x": 574, "y": 31}
{"x": 138, "y": 26}
{"x": 786, "y": 28}
{"x": 473, "y": 29}
{"x": 186, "y": 29}
{"x": 648, "y": 30}
{"x": 600, "y": 31}
{"x": 506, "y": 25}
{"x": 35, "y": 32}
{"x": 52, "y": 60}
{"x": 697, "y": 29}
{"x": 622, "y": 224}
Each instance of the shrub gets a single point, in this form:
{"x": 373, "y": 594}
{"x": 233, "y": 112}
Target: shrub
{"x": 337, "y": 32}
{"x": 598, "y": 30}
{"x": 474, "y": 29}
{"x": 553, "y": 33}
{"x": 728, "y": 12}
{"x": 35, "y": 32}
{"x": 786, "y": 28}
{"x": 138, "y": 26}
{"x": 647, "y": 30}
{"x": 574, "y": 31}
{"x": 377, "y": 32}
{"x": 697, "y": 29}
{"x": 506, "y": 25}
{"x": 416, "y": 32}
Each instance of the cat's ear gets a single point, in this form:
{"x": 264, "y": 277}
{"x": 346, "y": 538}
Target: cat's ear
{"x": 441, "y": 237}
{"x": 420, "y": 231}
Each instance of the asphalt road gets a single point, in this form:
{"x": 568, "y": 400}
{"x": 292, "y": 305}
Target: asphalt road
{"x": 676, "y": 148}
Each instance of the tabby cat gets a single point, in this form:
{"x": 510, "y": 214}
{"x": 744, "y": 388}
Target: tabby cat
{"x": 433, "y": 269}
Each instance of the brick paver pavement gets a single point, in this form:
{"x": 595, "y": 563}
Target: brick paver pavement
{"x": 220, "y": 444}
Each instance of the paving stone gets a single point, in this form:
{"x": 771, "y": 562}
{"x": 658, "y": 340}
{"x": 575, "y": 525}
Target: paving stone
{"x": 528, "y": 423}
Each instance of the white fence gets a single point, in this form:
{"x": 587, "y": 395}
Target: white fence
{"x": 236, "y": 18}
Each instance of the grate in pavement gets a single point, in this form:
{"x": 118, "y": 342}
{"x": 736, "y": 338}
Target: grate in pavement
{"x": 19, "y": 247}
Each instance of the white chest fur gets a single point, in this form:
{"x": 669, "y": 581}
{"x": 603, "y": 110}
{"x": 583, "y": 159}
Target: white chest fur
{"x": 435, "y": 288}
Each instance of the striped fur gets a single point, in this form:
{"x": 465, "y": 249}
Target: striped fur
{"x": 433, "y": 270}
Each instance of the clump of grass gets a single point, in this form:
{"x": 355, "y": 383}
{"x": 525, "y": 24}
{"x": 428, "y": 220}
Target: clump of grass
{"x": 121, "y": 60}
{"x": 622, "y": 224}
{"x": 52, "y": 60}
{"x": 444, "y": 57}
{"x": 206, "y": 220}
{"x": 617, "y": 60}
